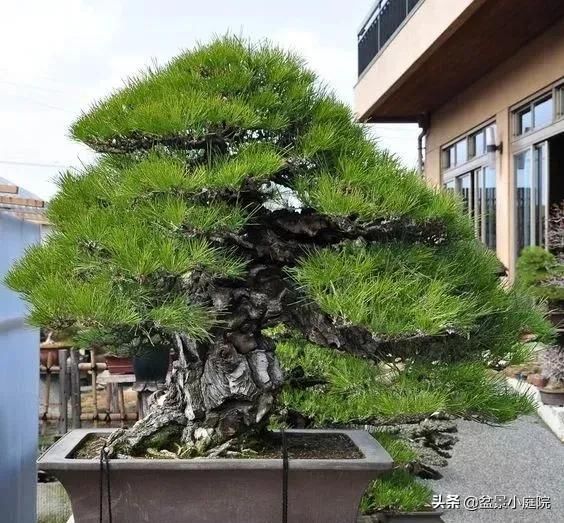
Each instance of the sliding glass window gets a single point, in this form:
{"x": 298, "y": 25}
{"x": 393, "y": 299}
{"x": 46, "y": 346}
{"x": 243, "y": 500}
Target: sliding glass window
{"x": 531, "y": 199}
{"x": 487, "y": 195}
{"x": 477, "y": 190}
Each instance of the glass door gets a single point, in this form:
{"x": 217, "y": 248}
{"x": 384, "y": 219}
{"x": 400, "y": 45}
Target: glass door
{"x": 531, "y": 198}
{"x": 486, "y": 205}
{"x": 540, "y": 153}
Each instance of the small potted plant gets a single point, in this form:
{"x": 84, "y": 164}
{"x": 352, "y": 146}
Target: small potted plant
{"x": 116, "y": 351}
{"x": 398, "y": 496}
{"x": 146, "y": 356}
{"x": 542, "y": 274}
{"x": 151, "y": 361}
{"x": 553, "y": 370}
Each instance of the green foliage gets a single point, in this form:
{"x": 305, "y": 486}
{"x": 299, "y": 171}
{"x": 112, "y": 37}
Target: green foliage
{"x": 228, "y": 83}
{"x": 356, "y": 390}
{"x": 60, "y": 302}
{"x": 396, "y": 491}
{"x": 180, "y": 316}
{"x": 398, "y": 289}
{"x": 396, "y": 447}
{"x": 378, "y": 186}
{"x": 539, "y": 271}
{"x": 472, "y": 391}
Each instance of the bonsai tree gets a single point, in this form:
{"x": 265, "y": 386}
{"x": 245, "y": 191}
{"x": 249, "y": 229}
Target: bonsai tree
{"x": 233, "y": 193}
{"x": 555, "y": 237}
{"x": 540, "y": 272}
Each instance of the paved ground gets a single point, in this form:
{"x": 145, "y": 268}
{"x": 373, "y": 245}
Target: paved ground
{"x": 522, "y": 459}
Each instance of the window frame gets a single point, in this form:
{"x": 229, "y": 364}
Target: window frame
{"x": 476, "y": 201}
{"x": 453, "y": 168}
{"x": 555, "y": 92}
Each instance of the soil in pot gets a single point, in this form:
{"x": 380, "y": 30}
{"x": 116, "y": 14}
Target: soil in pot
{"x": 151, "y": 365}
{"x": 300, "y": 446}
{"x": 552, "y": 397}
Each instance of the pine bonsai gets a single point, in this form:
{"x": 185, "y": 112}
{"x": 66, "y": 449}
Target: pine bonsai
{"x": 234, "y": 193}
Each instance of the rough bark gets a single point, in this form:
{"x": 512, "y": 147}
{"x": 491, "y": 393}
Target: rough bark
{"x": 219, "y": 388}
{"x": 284, "y": 236}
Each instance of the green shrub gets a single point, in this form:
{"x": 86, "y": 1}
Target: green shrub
{"x": 396, "y": 491}
{"x": 540, "y": 272}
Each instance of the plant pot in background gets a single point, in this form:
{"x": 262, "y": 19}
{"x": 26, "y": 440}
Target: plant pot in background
{"x": 556, "y": 316}
{"x": 552, "y": 397}
{"x": 48, "y": 357}
{"x": 537, "y": 380}
{"x": 151, "y": 365}
{"x": 119, "y": 365}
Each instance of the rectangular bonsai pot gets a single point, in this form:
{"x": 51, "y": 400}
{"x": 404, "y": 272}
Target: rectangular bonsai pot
{"x": 218, "y": 490}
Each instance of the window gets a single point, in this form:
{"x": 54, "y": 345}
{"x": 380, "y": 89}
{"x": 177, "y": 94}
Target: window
{"x": 542, "y": 112}
{"x": 449, "y": 157}
{"x": 559, "y": 102}
{"x": 474, "y": 181}
{"x": 487, "y": 198}
{"x": 473, "y": 145}
{"x": 461, "y": 148}
{"x": 525, "y": 121}
{"x": 477, "y": 144}
{"x": 534, "y": 115}
{"x": 531, "y": 172}
{"x": 450, "y": 186}
{"x": 477, "y": 189}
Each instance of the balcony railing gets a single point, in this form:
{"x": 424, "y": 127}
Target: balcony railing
{"x": 379, "y": 27}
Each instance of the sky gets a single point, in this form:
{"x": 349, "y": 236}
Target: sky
{"x": 60, "y": 55}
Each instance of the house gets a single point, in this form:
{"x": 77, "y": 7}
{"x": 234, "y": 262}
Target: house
{"x": 22, "y": 204}
{"x": 484, "y": 79}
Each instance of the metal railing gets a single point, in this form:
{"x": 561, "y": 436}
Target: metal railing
{"x": 379, "y": 26}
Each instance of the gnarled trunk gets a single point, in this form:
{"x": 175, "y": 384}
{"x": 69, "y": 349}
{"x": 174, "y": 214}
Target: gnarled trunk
{"x": 221, "y": 388}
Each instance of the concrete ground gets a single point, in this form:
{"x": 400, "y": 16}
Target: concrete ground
{"x": 53, "y": 504}
{"x": 523, "y": 459}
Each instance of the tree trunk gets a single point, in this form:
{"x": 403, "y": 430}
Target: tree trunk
{"x": 218, "y": 389}
{"x": 216, "y": 392}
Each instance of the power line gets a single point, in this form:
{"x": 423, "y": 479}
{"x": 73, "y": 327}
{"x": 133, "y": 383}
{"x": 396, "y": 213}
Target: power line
{"x": 34, "y": 87}
{"x": 38, "y": 102}
{"x": 35, "y": 164}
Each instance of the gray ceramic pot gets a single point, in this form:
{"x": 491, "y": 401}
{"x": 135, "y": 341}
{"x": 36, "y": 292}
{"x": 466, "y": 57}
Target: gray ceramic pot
{"x": 218, "y": 490}
{"x": 552, "y": 397}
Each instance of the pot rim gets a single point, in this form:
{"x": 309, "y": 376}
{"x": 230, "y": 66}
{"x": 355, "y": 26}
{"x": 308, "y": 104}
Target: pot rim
{"x": 375, "y": 457}
{"x": 551, "y": 391}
